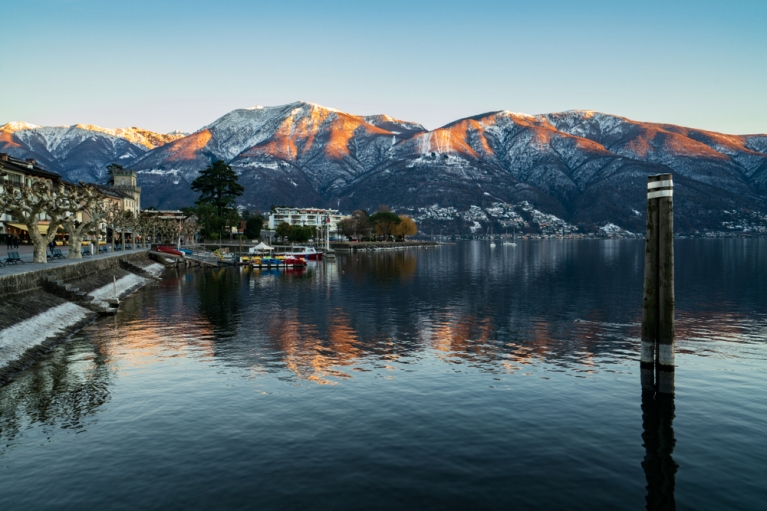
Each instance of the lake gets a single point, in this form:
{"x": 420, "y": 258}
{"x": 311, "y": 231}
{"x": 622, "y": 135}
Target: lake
{"x": 457, "y": 377}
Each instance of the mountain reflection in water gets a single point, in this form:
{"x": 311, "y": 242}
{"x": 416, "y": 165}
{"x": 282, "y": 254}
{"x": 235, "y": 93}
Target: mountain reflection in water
{"x": 444, "y": 378}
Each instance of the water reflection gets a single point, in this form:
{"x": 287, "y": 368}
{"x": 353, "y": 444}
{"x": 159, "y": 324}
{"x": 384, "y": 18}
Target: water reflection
{"x": 220, "y": 300}
{"x": 383, "y": 266}
{"x": 658, "y": 440}
{"x": 420, "y": 347}
{"x": 63, "y": 391}
{"x": 560, "y": 303}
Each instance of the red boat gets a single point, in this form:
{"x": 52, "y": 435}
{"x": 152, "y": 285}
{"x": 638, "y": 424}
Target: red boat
{"x": 170, "y": 250}
{"x": 293, "y": 261}
{"x": 306, "y": 253}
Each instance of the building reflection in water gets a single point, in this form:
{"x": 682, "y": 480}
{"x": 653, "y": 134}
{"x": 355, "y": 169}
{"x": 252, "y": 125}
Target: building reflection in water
{"x": 658, "y": 438}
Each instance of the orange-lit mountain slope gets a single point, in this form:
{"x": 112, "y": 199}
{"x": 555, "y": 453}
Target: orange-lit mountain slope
{"x": 586, "y": 167}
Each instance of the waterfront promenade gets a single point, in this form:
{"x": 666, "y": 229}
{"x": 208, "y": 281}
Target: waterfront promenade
{"x": 25, "y": 252}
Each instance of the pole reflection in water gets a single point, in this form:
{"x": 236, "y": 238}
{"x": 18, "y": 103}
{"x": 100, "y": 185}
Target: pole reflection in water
{"x": 658, "y": 438}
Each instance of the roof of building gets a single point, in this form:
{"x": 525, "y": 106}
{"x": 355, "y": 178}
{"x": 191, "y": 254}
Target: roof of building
{"x": 111, "y": 192}
{"x": 29, "y": 167}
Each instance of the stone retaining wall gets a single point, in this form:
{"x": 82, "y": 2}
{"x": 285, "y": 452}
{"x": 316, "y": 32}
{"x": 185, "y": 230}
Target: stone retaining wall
{"x": 32, "y": 280}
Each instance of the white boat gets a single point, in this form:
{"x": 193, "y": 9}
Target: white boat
{"x": 512, "y": 243}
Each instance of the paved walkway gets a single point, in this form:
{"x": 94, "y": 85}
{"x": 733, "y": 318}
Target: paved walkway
{"x": 25, "y": 252}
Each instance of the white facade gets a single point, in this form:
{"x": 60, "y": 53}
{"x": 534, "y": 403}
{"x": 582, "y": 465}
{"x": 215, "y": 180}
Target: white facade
{"x": 313, "y": 217}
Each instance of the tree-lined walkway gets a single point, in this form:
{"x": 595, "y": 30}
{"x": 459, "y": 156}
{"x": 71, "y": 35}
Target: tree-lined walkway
{"x": 26, "y": 251}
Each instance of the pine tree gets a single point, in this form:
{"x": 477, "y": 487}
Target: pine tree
{"x": 217, "y": 186}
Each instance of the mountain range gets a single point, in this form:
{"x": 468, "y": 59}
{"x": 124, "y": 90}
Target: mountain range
{"x": 587, "y": 168}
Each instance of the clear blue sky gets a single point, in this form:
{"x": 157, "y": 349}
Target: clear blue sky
{"x": 167, "y": 65}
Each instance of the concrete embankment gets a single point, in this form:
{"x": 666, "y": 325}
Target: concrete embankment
{"x": 347, "y": 246}
{"x": 45, "y": 304}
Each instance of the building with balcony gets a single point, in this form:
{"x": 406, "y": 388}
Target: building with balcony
{"x": 313, "y": 217}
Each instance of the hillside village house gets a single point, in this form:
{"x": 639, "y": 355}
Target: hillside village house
{"x": 312, "y": 217}
{"x": 123, "y": 192}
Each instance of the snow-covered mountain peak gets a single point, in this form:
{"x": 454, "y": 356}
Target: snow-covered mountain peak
{"x": 521, "y": 115}
{"x": 396, "y": 126}
{"x": 245, "y": 127}
{"x": 15, "y": 126}
{"x": 311, "y": 105}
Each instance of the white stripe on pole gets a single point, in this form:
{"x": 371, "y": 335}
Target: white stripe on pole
{"x": 660, "y": 193}
{"x": 660, "y": 184}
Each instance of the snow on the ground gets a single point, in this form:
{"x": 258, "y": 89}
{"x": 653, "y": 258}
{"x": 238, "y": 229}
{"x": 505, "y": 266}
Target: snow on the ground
{"x": 123, "y": 285}
{"x": 16, "y": 340}
{"x": 155, "y": 269}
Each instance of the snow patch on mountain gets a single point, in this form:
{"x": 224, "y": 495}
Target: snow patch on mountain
{"x": 159, "y": 172}
{"x": 611, "y": 228}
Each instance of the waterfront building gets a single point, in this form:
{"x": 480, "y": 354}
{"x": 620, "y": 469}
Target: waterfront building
{"x": 313, "y": 217}
{"x": 17, "y": 173}
{"x": 122, "y": 191}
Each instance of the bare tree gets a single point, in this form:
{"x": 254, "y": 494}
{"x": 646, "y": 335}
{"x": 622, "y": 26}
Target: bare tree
{"x": 142, "y": 228}
{"x": 28, "y": 205}
{"x": 112, "y": 219}
{"x": 86, "y": 212}
{"x": 123, "y": 221}
{"x": 189, "y": 228}
{"x": 170, "y": 230}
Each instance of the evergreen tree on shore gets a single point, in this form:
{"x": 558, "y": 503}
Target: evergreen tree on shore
{"x": 218, "y": 186}
{"x": 218, "y": 189}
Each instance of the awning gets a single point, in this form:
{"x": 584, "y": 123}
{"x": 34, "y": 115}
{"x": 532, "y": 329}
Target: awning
{"x": 43, "y": 228}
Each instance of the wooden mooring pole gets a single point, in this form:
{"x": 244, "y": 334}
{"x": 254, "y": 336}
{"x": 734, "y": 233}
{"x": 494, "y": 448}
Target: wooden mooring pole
{"x": 658, "y": 302}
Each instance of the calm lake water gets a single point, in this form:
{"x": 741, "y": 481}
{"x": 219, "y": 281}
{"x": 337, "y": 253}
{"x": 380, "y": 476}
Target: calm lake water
{"x": 459, "y": 377}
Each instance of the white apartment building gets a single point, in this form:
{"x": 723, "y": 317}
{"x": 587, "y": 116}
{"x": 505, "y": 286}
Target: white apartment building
{"x": 313, "y": 217}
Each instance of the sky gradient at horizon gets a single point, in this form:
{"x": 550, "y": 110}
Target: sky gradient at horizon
{"x": 172, "y": 65}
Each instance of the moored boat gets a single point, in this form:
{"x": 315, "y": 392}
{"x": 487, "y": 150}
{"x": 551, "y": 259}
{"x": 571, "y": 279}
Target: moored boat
{"x": 306, "y": 253}
{"x": 169, "y": 250}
